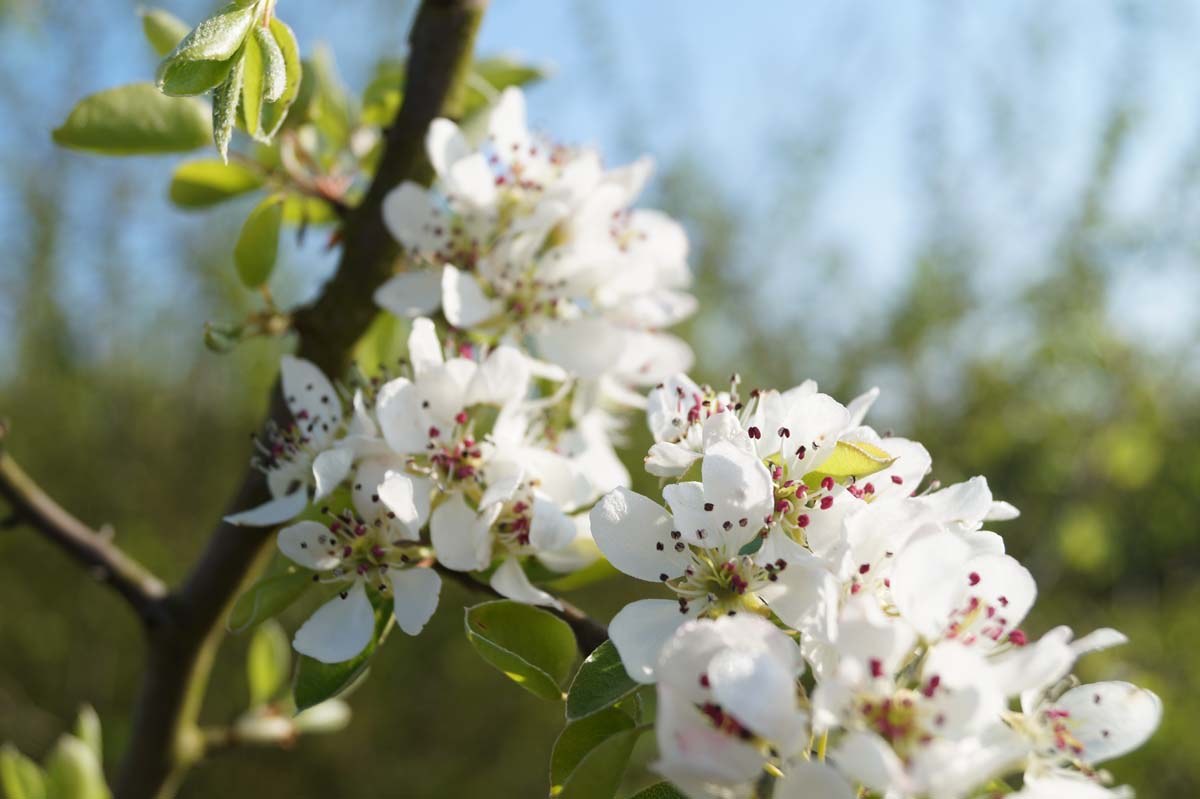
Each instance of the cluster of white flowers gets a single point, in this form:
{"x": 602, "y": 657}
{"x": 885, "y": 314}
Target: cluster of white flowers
{"x": 482, "y": 451}
{"x": 837, "y": 626}
{"x": 831, "y": 625}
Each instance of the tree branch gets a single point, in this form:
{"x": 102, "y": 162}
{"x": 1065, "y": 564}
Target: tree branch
{"x": 165, "y": 739}
{"x": 589, "y": 633}
{"x": 102, "y": 558}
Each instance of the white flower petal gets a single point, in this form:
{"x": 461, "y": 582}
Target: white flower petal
{"x": 414, "y": 597}
{"x": 759, "y": 691}
{"x": 398, "y": 409}
{"x": 550, "y": 528}
{"x": 464, "y": 301}
{"x": 502, "y": 377}
{"x": 397, "y": 492}
{"x": 412, "y": 217}
{"x": 311, "y": 399}
{"x": 445, "y": 145}
{"x": 866, "y": 758}
{"x": 859, "y": 406}
{"x": 340, "y": 629}
{"x": 330, "y": 468}
{"x": 460, "y": 536}
{"x": 311, "y": 545}
{"x": 275, "y": 511}
{"x": 511, "y": 581}
{"x": 740, "y": 490}
{"x": 666, "y": 459}
{"x": 808, "y": 779}
{"x": 639, "y": 631}
{"x": 1110, "y": 719}
{"x": 424, "y": 348}
{"x": 411, "y": 293}
{"x": 1097, "y": 640}
{"x": 634, "y": 533}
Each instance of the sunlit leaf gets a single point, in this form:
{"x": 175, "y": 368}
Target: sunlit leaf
{"x": 579, "y": 738}
{"x": 199, "y": 184}
{"x": 206, "y": 55}
{"x": 850, "y": 459}
{"x": 73, "y": 771}
{"x": 600, "y": 683}
{"x": 532, "y": 647}
{"x": 87, "y": 729}
{"x": 268, "y": 597}
{"x": 599, "y": 773}
{"x": 163, "y": 30}
{"x": 268, "y": 662}
{"x": 659, "y": 790}
{"x": 275, "y": 112}
{"x": 20, "y": 777}
{"x": 258, "y": 245}
{"x": 135, "y": 120}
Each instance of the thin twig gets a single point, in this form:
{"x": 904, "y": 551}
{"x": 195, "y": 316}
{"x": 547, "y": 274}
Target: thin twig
{"x": 589, "y": 633}
{"x": 96, "y": 551}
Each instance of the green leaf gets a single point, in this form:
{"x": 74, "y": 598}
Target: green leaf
{"x": 532, "y": 647}
{"x": 253, "y": 81}
{"x": 20, "y": 777}
{"x": 381, "y": 98}
{"x": 579, "y": 738}
{"x": 199, "y": 184}
{"x": 274, "y": 112}
{"x": 317, "y": 681}
{"x": 599, "y": 774}
{"x": 87, "y": 729}
{"x": 850, "y": 459}
{"x": 225, "y": 105}
{"x": 258, "y": 245}
{"x": 135, "y": 120}
{"x": 659, "y": 790}
{"x": 73, "y": 772}
{"x": 268, "y": 662}
{"x": 205, "y": 56}
{"x": 268, "y": 597}
{"x": 496, "y": 75}
{"x": 300, "y": 209}
{"x": 163, "y": 30}
{"x": 594, "y": 572}
{"x": 274, "y": 72}
{"x": 600, "y": 683}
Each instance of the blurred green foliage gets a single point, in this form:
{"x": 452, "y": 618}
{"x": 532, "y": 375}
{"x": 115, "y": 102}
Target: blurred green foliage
{"x": 128, "y": 421}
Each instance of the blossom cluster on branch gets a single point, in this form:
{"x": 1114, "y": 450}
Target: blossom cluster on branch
{"x": 832, "y": 624}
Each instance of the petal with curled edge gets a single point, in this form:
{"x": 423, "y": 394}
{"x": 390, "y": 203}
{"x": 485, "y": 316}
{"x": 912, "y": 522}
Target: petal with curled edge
{"x": 340, "y": 629}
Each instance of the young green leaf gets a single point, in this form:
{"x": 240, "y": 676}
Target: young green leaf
{"x": 252, "y": 85}
{"x": 225, "y": 105}
{"x": 850, "y": 459}
{"x": 87, "y": 729}
{"x": 163, "y": 30}
{"x": 258, "y": 245}
{"x": 599, "y": 773}
{"x": 199, "y": 184}
{"x": 206, "y": 56}
{"x": 316, "y": 681}
{"x": 135, "y": 120}
{"x": 600, "y": 683}
{"x": 533, "y": 648}
{"x": 659, "y": 790}
{"x": 268, "y": 597}
{"x": 579, "y": 738}
{"x": 73, "y": 770}
{"x": 274, "y": 71}
{"x": 275, "y": 111}
{"x": 268, "y": 662}
{"x": 20, "y": 777}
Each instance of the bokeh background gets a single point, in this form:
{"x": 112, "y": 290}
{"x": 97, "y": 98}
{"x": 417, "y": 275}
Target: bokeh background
{"x": 988, "y": 210}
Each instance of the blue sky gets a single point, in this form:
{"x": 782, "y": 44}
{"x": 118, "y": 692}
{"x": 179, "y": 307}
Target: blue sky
{"x": 876, "y": 89}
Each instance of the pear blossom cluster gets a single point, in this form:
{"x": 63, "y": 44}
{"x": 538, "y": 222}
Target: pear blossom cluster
{"x": 833, "y": 624}
{"x": 828, "y": 620}
{"x": 537, "y": 297}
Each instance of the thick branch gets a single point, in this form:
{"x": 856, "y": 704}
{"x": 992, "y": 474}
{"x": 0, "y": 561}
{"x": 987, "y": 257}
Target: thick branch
{"x": 102, "y": 558}
{"x": 165, "y": 738}
{"x": 589, "y": 633}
